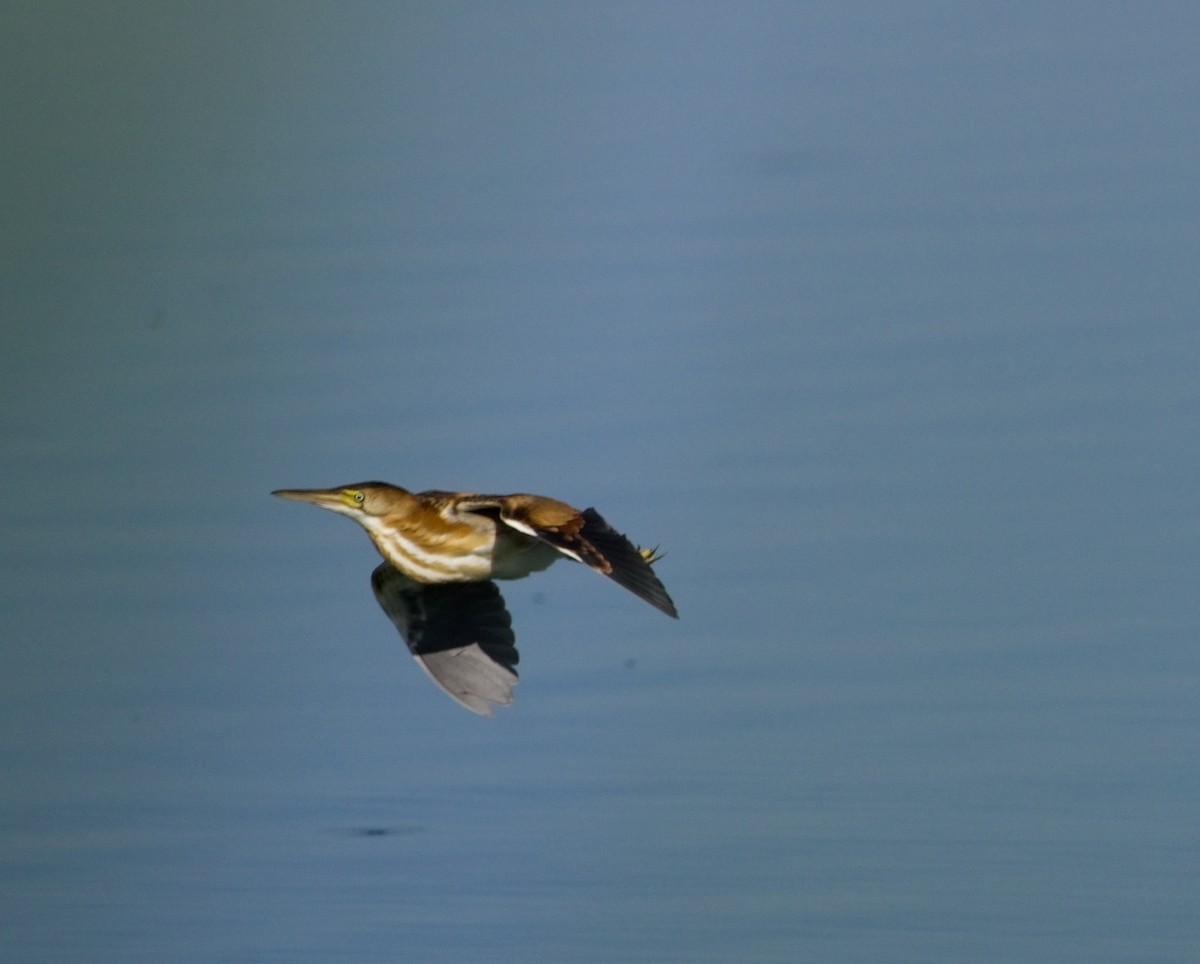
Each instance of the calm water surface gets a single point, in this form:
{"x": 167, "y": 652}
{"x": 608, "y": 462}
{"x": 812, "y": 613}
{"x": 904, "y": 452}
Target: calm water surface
{"x": 882, "y": 320}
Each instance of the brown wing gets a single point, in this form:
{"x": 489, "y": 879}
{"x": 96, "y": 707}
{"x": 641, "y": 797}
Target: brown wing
{"x": 587, "y": 538}
{"x": 459, "y": 633}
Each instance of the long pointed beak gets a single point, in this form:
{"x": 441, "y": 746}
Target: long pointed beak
{"x": 325, "y": 498}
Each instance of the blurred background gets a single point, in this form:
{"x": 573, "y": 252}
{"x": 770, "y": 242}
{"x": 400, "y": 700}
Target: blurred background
{"x": 881, "y": 318}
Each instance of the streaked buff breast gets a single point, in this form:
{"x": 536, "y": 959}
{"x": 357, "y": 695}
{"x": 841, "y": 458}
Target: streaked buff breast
{"x": 454, "y": 551}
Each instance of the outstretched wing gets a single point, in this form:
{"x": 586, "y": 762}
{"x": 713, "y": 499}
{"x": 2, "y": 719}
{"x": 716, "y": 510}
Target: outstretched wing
{"x": 459, "y": 633}
{"x": 587, "y": 538}
{"x": 624, "y": 562}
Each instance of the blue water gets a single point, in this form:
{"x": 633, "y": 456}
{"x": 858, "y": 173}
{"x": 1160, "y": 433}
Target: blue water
{"x": 880, "y": 319}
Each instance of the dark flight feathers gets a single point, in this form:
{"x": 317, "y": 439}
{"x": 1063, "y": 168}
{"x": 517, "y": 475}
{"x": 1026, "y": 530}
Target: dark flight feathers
{"x": 601, "y": 547}
{"x": 460, "y": 634}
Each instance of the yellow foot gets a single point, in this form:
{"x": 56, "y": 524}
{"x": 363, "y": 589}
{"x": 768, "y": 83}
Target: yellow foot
{"x": 650, "y": 555}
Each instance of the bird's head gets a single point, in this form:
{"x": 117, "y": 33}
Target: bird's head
{"x": 361, "y": 500}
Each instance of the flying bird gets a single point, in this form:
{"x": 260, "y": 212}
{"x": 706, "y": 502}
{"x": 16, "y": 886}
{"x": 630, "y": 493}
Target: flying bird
{"x": 442, "y": 551}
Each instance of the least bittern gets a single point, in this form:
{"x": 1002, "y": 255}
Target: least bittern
{"x": 441, "y": 552}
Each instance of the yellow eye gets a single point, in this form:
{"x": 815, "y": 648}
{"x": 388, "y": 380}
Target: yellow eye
{"x": 359, "y": 497}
